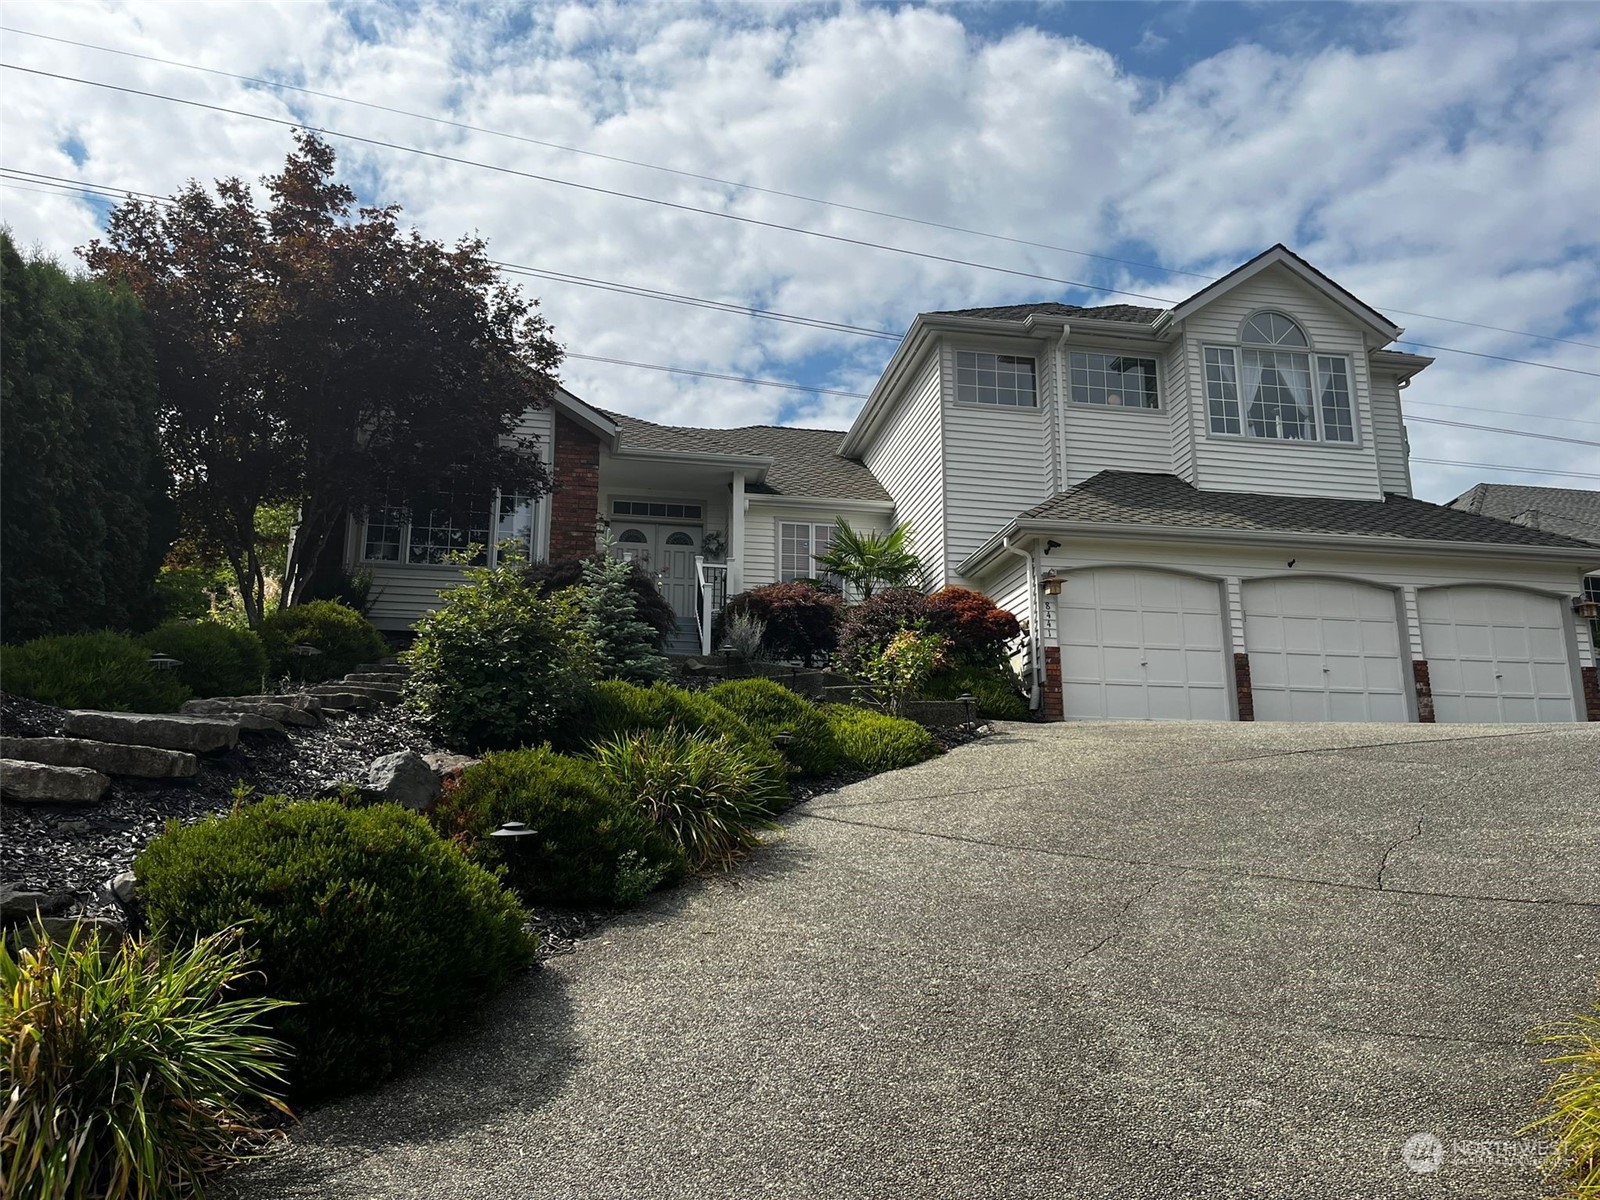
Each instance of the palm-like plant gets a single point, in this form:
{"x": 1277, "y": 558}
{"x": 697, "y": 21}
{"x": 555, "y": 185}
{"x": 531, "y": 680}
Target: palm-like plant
{"x": 868, "y": 560}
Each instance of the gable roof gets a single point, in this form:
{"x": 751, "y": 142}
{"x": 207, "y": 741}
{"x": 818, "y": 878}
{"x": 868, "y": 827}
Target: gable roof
{"x": 1132, "y": 498}
{"x": 1131, "y": 314}
{"x": 805, "y": 462}
{"x": 1572, "y": 511}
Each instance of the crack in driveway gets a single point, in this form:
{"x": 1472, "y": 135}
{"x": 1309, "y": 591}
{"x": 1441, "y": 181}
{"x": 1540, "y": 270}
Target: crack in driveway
{"x": 1117, "y": 925}
{"x": 1383, "y": 864}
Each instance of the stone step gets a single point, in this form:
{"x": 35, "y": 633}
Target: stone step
{"x": 382, "y": 668}
{"x": 41, "y": 783}
{"x": 376, "y": 678}
{"x": 285, "y": 714}
{"x": 109, "y": 758}
{"x": 301, "y": 700}
{"x": 198, "y": 735}
{"x": 256, "y": 723}
{"x": 342, "y": 698}
{"x": 383, "y": 695}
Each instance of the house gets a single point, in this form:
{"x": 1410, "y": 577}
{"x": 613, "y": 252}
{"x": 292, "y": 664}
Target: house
{"x": 1199, "y": 512}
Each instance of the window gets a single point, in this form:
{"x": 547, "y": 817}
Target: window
{"x": 999, "y": 379}
{"x": 798, "y": 547}
{"x": 514, "y": 528}
{"x": 446, "y": 523}
{"x": 1112, "y": 379}
{"x": 1266, "y": 388}
{"x": 655, "y": 508}
{"x": 680, "y": 539}
{"x": 429, "y": 529}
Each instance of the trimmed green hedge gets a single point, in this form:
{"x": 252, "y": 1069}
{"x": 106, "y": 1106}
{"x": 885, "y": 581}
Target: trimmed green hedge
{"x": 874, "y": 741}
{"x": 770, "y": 709}
{"x": 90, "y": 670}
{"x": 995, "y": 691}
{"x": 213, "y": 659}
{"x": 344, "y": 636}
{"x": 592, "y": 849}
{"x": 383, "y": 935}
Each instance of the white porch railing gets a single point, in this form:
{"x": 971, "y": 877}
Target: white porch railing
{"x": 713, "y": 581}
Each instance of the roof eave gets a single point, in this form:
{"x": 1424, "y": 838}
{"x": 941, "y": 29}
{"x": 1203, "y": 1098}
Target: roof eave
{"x": 841, "y": 503}
{"x": 756, "y": 465}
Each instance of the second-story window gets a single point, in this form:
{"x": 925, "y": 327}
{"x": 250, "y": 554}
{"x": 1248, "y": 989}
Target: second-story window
{"x": 1117, "y": 380}
{"x": 1006, "y": 380}
{"x": 1272, "y": 386}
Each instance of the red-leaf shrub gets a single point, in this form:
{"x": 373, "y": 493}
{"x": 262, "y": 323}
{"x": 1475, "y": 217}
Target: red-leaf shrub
{"x": 802, "y": 619}
{"x": 977, "y": 627}
{"x": 870, "y": 624}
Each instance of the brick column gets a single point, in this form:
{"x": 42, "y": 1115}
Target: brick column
{"x": 1053, "y": 707}
{"x": 1591, "y": 692}
{"x": 575, "y": 502}
{"x": 1241, "y": 685}
{"x": 1424, "y": 682}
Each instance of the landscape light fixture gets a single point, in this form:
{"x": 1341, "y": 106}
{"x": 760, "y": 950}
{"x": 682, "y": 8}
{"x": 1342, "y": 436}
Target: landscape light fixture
{"x": 783, "y": 739}
{"x": 165, "y": 662}
{"x": 1051, "y": 583}
{"x": 512, "y": 836}
{"x": 967, "y": 700}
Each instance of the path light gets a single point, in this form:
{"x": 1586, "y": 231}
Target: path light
{"x": 783, "y": 739}
{"x": 1051, "y": 583}
{"x": 513, "y": 836}
{"x": 165, "y": 662}
{"x": 303, "y": 651}
{"x": 967, "y": 700}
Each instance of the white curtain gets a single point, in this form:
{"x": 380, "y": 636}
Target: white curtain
{"x": 1248, "y": 395}
{"x": 1298, "y": 377}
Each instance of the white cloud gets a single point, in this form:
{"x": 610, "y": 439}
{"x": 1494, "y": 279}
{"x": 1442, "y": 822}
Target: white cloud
{"x": 1446, "y": 166}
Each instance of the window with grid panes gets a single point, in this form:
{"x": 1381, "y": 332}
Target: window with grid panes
{"x": 1271, "y": 387}
{"x": 1004, "y": 380}
{"x": 1114, "y": 380}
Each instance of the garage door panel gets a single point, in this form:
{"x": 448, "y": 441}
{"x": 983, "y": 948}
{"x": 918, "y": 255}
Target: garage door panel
{"x": 1323, "y": 649}
{"x": 1124, "y": 663}
{"x": 1202, "y": 631}
{"x": 1119, "y": 627}
{"x": 1496, "y": 654}
{"x": 1207, "y": 667}
{"x": 1160, "y": 592}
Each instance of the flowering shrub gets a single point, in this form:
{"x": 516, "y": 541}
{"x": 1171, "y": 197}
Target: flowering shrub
{"x": 977, "y": 627}
{"x": 901, "y": 669}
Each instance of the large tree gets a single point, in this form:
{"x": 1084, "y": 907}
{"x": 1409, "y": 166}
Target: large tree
{"x": 84, "y": 512}
{"x": 313, "y": 352}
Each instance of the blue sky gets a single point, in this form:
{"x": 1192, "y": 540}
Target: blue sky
{"x": 1437, "y": 159}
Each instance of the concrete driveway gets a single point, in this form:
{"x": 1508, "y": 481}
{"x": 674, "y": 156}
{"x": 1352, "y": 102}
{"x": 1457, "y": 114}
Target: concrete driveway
{"x": 1099, "y": 960}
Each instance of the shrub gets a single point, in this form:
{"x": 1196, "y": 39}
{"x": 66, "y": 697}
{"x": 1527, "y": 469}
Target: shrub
{"x": 869, "y": 625}
{"x": 497, "y": 665}
{"x": 624, "y": 647}
{"x": 619, "y": 709}
{"x": 701, "y": 792}
{"x": 90, "y": 670}
{"x": 870, "y": 561}
{"x": 994, "y": 688}
{"x": 745, "y": 635}
{"x": 902, "y": 668}
{"x": 802, "y": 619}
{"x": 130, "y": 1073}
{"x": 214, "y": 660}
{"x": 1573, "y": 1103}
{"x": 770, "y": 709}
{"x": 649, "y": 604}
{"x": 977, "y": 628}
{"x": 344, "y": 636}
{"x": 872, "y": 741}
{"x": 380, "y": 932}
{"x": 592, "y": 848}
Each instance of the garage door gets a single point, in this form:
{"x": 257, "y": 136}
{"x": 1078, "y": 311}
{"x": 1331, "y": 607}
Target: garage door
{"x": 1496, "y": 655}
{"x": 1142, "y": 645}
{"x": 1323, "y": 650}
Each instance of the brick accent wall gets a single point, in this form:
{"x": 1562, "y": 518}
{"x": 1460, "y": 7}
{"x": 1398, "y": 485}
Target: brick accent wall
{"x": 1424, "y": 682}
{"x": 1591, "y": 692}
{"x": 1241, "y": 684}
{"x": 575, "y": 503}
{"x": 1054, "y": 710}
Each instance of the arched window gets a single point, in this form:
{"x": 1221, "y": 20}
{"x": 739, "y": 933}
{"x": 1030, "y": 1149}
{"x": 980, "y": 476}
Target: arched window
{"x": 633, "y": 536}
{"x": 1271, "y": 386}
{"x": 679, "y": 539}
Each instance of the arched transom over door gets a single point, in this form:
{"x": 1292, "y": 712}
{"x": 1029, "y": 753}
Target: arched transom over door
{"x": 1496, "y": 654}
{"x": 1324, "y": 650}
{"x": 1142, "y": 644}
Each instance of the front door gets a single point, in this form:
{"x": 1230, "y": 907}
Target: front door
{"x": 667, "y": 553}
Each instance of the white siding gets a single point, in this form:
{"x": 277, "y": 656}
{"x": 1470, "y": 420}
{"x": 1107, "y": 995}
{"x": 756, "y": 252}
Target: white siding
{"x": 1116, "y": 439}
{"x": 1181, "y": 405}
{"x": 1388, "y": 427}
{"x": 1238, "y": 464}
{"x": 539, "y": 423}
{"x": 402, "y": 593}
{"x": 997, "y": 458}
{"x": 761, "y": 523}
{"x": 907, "y": 459}
{"x": 1007, "y": 586}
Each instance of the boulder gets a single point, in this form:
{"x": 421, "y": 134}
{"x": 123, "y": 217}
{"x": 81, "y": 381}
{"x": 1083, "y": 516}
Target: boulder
{"x": 383, "y": 695}
{"x": 41, "y": 783}
{"x": 446, "y": 763}
{"x": 384, "y": 679}
{"x": 18, "y": 905}
{"x": 256, "y": 723}
{"x": 341, "y": 698}
{"x": 284, "y": 714}
{"x": 125, "y": 887}
{"x": 403, "y": 778}
{"x": 109, "y": 758}
{"x": 303, "y": 701}
{"x": 59, "y": 929}
{"x": 197, "y": 735}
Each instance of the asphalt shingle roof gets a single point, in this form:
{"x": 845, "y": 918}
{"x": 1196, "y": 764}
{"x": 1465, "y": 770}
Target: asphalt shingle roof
{"x": 1133, "y": 314}
{"x": 805, "y": 462}
{"x": 1572, "y": 511}
{"x": 1165, "y": 501}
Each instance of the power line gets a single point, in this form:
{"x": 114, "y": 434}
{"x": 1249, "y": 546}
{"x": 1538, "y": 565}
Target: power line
{"x": 1527, "y": 433}
{"x": 732, "y": 183}
{"x": 677, "y": 206}
{"x": 772, "y": 383}
{"x": 1499, "y": 412}
{"x": 1451, "y": 462}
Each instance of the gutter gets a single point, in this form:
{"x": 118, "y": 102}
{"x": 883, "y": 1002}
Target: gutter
{"x": 830, "y": 502}
{"x": 757, "y": 463}
{"x": 1587, "y": 557}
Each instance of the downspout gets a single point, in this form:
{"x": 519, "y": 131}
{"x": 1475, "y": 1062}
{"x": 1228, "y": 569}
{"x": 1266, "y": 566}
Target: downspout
{"x": 1037, "y": 659}
{"x": 1063, "y": 384}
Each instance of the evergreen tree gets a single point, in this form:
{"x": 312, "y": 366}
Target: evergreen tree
{"x": 625, "y": 647}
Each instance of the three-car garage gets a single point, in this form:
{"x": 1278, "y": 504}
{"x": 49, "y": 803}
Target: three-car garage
{"x": 1145, "y": 643}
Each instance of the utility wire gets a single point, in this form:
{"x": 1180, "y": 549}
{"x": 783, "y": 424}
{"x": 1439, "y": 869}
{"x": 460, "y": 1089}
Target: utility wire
{"x": 1548, "y": 437}
{"x": 677, "y": 206}
{"x": 704, "y": 178}
{"x": 772, "y": 383}
{"x": 1451, "y": 462}
{"x": 1499, "y": 412}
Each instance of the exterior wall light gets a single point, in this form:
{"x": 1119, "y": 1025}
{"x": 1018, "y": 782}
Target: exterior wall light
{"x": 1051, "y": 583}
{"x": 1584, "y": 607}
